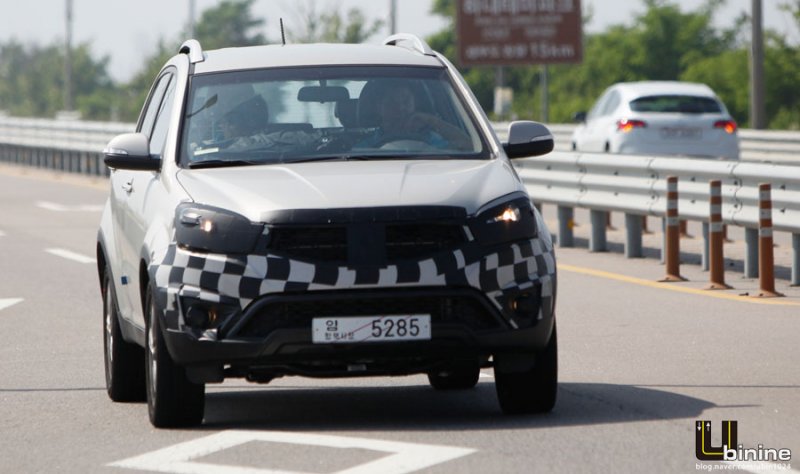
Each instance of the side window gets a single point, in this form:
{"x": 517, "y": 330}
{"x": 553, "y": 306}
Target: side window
{"x": 154, "y": 104}
{"x": 159, "y": 135}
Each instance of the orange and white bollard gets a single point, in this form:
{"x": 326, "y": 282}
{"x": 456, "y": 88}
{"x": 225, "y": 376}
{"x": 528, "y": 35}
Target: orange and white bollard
{"x": 672, "y": 233}
{"x": 766, "y": 263}
{"x": 716, "y": 238}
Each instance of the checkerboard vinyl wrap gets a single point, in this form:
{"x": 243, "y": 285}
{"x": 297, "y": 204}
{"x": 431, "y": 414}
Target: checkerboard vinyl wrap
{"x": 243, "y": 278}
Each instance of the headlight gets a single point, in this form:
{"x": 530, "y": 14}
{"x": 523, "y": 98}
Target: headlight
{"x": 512, "y": 219}
{"x": 212, "y": 229}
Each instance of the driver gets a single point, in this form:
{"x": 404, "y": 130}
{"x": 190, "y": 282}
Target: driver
{"x": 398, "y": 117}
{"x": 246, "y": 119}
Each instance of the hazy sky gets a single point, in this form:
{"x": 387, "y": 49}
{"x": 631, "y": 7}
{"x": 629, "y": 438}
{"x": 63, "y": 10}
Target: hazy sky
{"x": 128, "y": 30}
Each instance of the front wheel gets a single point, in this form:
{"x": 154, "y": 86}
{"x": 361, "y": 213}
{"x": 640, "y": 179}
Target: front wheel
{"x": 533, "y": 390}
{"x": 124, "y": 361}
{"x": 172, "y": 400}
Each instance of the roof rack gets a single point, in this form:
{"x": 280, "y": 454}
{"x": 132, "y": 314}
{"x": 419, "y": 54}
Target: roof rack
{"x": 418, "y": 44}
{"x": 193, "y": 49}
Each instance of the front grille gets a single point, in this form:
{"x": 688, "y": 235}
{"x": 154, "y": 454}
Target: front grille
{"x": 324, "y": 244}
{"x": 418, "y": 241}
{"x": 330, "y": 244}
{"x": 291, "y": 313}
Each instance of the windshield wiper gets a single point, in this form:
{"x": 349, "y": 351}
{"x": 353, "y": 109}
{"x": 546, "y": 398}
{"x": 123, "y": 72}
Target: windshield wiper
{"x": 328, "y": 158}
{"x": 223, "y": 163}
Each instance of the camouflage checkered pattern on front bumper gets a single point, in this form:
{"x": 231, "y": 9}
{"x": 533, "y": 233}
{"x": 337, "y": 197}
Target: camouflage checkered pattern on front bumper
{"x": 243, "y": 278}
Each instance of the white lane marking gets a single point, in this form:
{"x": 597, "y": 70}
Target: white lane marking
{"x": 401, "y": 457}
{"x": 71, "y": 255}
{"x": 8, "y": 302}
{"x": 54, "y": 206}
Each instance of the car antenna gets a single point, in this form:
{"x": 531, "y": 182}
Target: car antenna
{"x": 283, "y": 36}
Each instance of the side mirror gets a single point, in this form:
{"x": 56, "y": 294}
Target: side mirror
{"x": 130, "y": 151}
{"x": 527, "y": 138}
{"x": 579, "y": 117}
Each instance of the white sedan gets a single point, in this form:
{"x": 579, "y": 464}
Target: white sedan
{"x": 658, "y": 118}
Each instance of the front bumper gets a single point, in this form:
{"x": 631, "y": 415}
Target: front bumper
{"x": 490, "y": 280}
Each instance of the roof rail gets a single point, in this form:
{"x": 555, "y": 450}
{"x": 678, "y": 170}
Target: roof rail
{"x": 193, "y": 49}
{"x": 419, "y": 45}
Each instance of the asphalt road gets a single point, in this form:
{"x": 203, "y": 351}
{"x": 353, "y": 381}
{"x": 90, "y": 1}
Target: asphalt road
{"x": 640, "y": 362}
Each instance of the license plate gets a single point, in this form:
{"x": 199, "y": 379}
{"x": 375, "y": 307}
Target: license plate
{"x": 681, "y": 132}
{"x": 355, "y": 329}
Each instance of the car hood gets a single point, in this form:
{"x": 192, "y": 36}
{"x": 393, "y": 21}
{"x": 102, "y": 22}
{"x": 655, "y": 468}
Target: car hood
{"x": 255, "y": 190}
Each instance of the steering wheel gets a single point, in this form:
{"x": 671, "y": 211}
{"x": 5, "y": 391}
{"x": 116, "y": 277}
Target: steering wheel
{"x": 401, "y": 137}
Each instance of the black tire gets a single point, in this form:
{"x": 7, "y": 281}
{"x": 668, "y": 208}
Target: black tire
{"x": 533, "y": 390}
{"x": 458, "y": 375}
{"x": 172, "y": 400}
{"x": 124, "y": 361}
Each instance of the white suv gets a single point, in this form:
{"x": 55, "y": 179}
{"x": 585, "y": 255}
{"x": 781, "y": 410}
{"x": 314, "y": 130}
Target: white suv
{"x": 322, "y": 210}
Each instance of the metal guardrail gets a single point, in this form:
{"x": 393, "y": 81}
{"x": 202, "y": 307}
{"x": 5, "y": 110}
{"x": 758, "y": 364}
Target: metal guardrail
{"x": 636, "y": 185}
{"x": 91, "y": 137}
{"x": 766, "y": 146}
{"x": 65, "y": 145}
{"x": 631, "y": 184}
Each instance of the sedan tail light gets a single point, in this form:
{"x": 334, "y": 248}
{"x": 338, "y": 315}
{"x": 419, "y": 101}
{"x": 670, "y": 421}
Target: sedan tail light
{"x": 728, "y": 125}
{"x": 626, "y": 126}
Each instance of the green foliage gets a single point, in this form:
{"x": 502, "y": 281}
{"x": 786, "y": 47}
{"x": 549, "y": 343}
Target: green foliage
{"x": 662, "y": 43}
{"x": 32, "y": 79}
{"x": 331, "y": 26}
{"x": 229, "y": 24}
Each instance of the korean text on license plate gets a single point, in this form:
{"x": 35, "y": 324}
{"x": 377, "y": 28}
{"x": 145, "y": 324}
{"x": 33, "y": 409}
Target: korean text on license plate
{"x": 355, "y": 329}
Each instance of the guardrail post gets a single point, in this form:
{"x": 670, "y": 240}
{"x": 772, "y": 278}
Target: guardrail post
{"x": 598, "y": 241}
{"x": 766, "y": 263}
{"x": 715, "y": 240}
{"x": 672, "y": 233}
{"x": 751, "y": 253}
{"x": 566, "y": 221}
{"x": 704, "y": 259}
{"x": 633, "y": 235}
{"x": 795, "y": 260}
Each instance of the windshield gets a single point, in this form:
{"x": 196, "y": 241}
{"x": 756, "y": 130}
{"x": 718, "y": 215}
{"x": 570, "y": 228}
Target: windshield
{"x": 685, "y": 104}
{"x": 326, "y": 113}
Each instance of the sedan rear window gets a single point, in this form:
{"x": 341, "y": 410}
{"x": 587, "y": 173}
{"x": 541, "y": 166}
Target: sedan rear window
{"x": 685, "y": 104}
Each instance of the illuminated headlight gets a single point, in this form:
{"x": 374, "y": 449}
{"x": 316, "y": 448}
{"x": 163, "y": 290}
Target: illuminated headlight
{"x": 510, "y": 213}
{"x": 505, "y": 221}
{"x": 216, "y": 230}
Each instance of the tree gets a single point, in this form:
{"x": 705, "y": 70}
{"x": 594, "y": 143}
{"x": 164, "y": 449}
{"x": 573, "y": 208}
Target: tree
{"x": 331, "y": 26}
{"x": 229, "y": 24}
{"x": 32, "y": 80}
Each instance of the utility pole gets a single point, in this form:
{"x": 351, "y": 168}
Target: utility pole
{"x": 191, "y": 18}
{"x": 757, "y": 109}
{"x": 392, "y": 16}
{"x": 68, "y": 59}
{"x": 545, "y": 94}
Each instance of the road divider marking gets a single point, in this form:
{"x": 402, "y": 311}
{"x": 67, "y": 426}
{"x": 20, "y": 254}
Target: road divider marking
{"x": 401, "y": 457}
{"x": 8, "y": 302}
{"x": 54, "y": 206}
{"x": 76, "y": 257}
{"x": 673, "y": 286}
